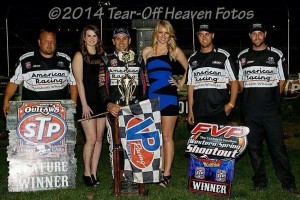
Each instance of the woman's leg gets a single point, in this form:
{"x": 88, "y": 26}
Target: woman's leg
{"x": 89, "y": 128}
{"x": 168, "y": 125}
{"x": 98, "y": 145}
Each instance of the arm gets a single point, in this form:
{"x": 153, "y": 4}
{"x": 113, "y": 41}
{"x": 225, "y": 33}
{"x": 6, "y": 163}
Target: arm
{"x": 283, "y": 72}
{"x": 233, "y": 74}
{"x": 77, "y": 65}
{"x": 72, "y": 86}
{"x": 240, "y": 77}
{"x": 190, "y": 91}
{"x": 9, "y": 92}
{"x": 234, "y": 90}
{"x": 74, "y": 93}
{"x": 145, "y": 53}
{"x": 16, "y": 80}
{"x": 104, "y": 87}
{"x": 282, "y": 85}
{"x": 241, "y": 83}
{"x": 184, "y": 63}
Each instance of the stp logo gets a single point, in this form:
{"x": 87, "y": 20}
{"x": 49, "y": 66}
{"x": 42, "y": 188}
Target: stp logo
{"x": 38, "y": 128}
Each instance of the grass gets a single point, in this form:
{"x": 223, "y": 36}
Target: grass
{"x": 177, "y": 190}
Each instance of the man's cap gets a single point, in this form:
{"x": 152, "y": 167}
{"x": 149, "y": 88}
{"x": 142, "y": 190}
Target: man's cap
{"x": 206, "y": 27}
{"x": 257, "y": 26}
{"x": 121, "y": 31}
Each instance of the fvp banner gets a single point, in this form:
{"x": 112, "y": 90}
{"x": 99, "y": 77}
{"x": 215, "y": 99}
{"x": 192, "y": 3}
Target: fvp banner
{"x": 213, "y": 149}
{"x": 292, "y": 89}
{"x": 42, "y": 137}
{"x": 140, "y": 131}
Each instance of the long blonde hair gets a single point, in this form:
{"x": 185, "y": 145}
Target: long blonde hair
{"x": 171, "y": 43}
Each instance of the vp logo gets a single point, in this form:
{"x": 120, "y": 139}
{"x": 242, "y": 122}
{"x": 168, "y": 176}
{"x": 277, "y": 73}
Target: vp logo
{"x": 146, "y": 132}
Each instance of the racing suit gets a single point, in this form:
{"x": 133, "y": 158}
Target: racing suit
{"x": 260, "y": 72}
{"x": 114, "y": 69}
{"x": 44, "y": 78}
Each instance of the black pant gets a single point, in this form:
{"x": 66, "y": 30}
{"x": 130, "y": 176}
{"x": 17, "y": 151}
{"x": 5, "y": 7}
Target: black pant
{"x": 219, "y": 118}
{"x": 268, "y": 127}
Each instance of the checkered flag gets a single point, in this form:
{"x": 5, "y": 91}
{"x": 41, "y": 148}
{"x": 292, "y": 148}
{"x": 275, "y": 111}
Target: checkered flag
{"x": 140, "y": 132}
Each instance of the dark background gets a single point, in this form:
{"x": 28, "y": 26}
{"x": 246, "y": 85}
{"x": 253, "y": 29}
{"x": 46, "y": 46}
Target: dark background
{"x": 20, "y": 24}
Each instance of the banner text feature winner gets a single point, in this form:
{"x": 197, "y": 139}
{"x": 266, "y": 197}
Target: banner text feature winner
{"x": 213, "y": 149}
{"x": 42, "y": 137}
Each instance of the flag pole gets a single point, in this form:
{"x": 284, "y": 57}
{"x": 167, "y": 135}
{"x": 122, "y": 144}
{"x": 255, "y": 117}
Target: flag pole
{"x": 91, "y": 117}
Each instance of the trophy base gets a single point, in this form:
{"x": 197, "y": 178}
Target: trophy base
{"x": 131, "y": 189}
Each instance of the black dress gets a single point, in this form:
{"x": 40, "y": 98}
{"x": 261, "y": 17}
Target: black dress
{"x": 91, "y": 68}
{"x": 160, "y": 70}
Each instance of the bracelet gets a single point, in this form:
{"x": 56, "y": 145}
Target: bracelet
{"x": 231, "y": 105}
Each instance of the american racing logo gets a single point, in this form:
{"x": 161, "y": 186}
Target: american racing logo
{"x": 142, "y": 142}
{"x": 260, "y": 77}
{"x": 116, "y": 73}
{"x": 209, "y": 77}
{"x": 214, "y": 142}
{"x": 53, "y": 77}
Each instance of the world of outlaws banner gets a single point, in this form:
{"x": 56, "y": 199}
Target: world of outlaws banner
{"x": 213, "y": 149}
{"x": 42, "y": 137}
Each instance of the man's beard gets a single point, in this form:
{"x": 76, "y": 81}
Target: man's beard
{"x": 258, "y": 44}
{"x": 48, "y": 51}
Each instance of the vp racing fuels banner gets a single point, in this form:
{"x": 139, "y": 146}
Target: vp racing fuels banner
{"x": 213, "y": 149}
{"x": 140, "y": 130}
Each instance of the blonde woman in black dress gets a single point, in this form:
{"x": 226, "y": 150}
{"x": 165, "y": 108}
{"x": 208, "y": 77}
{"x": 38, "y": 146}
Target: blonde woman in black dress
{"x": 160, "y": 61}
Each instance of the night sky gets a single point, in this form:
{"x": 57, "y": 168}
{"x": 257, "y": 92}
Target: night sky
{"x": 228, "y": 16}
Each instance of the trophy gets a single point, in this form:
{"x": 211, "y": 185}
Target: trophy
{"x": 126, "y": 84}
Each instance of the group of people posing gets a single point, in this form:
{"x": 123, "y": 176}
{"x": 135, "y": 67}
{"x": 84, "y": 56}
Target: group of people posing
{"x": 213, "y": 81}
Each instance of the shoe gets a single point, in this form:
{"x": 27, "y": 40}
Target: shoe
{"x": 257, "y": 188}
{"x": 88, "y": 181}
{"x": 95, "y": 180}
{"x": 166, "y": 180}
{"x": 294, "y": 191}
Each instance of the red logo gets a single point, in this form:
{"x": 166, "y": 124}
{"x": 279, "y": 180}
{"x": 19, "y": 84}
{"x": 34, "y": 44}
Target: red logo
{"x": 140, "y": 157}
{"x": 292, "y": 89}
{"x": 37, "y": 128}
{"x": 213, "y": 141}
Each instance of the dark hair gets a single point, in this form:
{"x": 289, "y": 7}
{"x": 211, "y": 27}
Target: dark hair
{"x": 99, "y": 47}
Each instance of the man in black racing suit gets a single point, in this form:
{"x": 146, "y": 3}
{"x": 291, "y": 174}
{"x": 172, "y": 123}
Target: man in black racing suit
{"x": 109, "y": 78}
{"x": 262, "y": 75}
{"x": 45, "y": 74}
